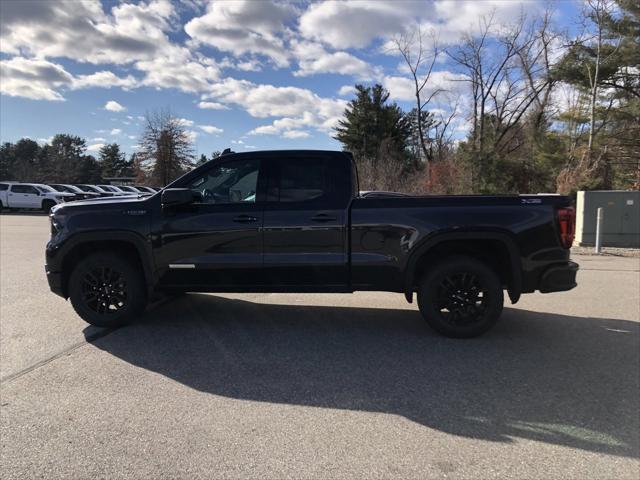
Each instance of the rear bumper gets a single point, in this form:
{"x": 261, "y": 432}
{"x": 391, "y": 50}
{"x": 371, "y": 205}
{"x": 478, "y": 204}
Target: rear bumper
{"x": 559, "y": 278}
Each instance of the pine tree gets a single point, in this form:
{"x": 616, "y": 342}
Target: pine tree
{"x": 377, "y": 133}
{"x": 112, "y": 161}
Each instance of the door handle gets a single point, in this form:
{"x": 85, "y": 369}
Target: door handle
{"x": 245, "y": 219}
{"x": 323, "y": 217}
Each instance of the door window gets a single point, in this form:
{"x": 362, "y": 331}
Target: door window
{"x": 230, "y": 182}
{"x": 301, "y": 181}
{"x": 23, "y": 189}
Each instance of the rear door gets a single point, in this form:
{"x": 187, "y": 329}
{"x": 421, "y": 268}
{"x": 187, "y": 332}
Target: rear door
{"x": 216, "y": 243}
{"x": 305, "y": 219}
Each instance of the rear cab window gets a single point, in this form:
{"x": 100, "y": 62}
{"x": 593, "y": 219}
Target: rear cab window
{"x": 310, "y": 180}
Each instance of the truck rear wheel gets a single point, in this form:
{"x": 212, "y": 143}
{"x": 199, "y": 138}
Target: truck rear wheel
{"x": 106, "y": 290}
{"x": 461, "y": 297}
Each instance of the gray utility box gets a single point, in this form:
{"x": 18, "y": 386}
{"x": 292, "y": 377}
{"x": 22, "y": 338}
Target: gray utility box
{"x": 621, "y": 222}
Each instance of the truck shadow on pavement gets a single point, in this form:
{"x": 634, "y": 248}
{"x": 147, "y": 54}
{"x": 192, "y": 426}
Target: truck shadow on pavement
{"x": 557, "y": 379}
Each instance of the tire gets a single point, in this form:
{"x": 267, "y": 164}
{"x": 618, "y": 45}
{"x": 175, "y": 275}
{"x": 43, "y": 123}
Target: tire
{"x": 461, "y": 297}
{"x": 107, "y": 290}
{"x": 47, "y": 205}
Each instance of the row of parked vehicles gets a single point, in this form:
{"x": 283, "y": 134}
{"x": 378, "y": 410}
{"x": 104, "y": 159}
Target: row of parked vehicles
{"x": 39, "y": 196}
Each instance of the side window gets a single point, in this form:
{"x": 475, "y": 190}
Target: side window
{"x": 23, "y": 189}
{"x": 299, "y": 180}
{"x": 230, "y": 182}
{"x": 3, "y": 187}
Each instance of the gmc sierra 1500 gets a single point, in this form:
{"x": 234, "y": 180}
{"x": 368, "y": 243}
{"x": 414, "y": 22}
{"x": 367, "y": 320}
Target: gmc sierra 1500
{"x": 294, "y": 221}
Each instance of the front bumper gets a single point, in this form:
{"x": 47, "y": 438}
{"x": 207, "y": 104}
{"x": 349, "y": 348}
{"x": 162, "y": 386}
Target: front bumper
{"x": 55, "y": 282}
{"x": 559, "y": 278}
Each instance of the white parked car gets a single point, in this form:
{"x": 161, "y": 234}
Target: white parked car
{"x": 31, "y": 195}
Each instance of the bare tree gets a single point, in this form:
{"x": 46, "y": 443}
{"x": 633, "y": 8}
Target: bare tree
{"x": 166, "y": 147}
{"x": 598, "y": 11}
{"x": 420, "y": 59}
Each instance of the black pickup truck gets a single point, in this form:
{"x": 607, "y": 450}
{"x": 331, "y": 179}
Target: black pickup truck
{"x": 295, "y": 221}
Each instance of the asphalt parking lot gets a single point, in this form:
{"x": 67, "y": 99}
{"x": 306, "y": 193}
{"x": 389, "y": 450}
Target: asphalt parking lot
{"x": 317, "y": 386}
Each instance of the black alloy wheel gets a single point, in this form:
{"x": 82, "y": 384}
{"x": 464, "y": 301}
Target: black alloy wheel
{"x": 107, "y": 289}
{"x": 104, "y": 290}
{"x": 461, "y": 297}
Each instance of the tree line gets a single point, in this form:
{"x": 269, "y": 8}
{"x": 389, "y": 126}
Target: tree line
{"x": 522, "y": 137}
{"x": 165, "y": 152}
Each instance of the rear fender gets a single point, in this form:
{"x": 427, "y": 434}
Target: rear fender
{"x": 514, "y": 285}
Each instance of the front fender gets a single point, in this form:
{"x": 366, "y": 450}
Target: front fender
{"x": 59, "y": 248}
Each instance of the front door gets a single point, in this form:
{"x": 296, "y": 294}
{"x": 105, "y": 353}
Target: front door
{"x": 305, "y": 222}
{"x": 216, "y": 242}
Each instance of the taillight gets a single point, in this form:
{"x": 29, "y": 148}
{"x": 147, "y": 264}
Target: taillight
{"x": 567, "y": 225}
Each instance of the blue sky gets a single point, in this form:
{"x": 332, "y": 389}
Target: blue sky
{"x": 242, "y": 74}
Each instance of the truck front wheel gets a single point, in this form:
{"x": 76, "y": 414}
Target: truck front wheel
{"x": 47, "y": 205}
{"x": 461, "y": 297}
{"x": 106, "y": 290}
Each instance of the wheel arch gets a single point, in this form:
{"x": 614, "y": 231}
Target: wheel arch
{"x": 497, "y": 249}
{"x": 127, "y": 244}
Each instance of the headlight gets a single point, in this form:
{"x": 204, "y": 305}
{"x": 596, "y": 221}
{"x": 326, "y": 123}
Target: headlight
{"x": 56, "y": 225}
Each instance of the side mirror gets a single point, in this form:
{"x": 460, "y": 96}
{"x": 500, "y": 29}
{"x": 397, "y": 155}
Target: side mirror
{"x": 172, "y": 197}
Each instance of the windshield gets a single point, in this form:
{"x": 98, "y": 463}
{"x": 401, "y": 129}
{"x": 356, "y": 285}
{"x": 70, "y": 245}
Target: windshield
{"x": 71, "y": 188}
{"x": 46, "y": 189}
{"x": 92, "y": 188}
{"x": 128, "y": 189}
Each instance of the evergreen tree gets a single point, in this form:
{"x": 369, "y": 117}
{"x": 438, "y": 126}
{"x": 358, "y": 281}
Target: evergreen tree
{"x": 377, "y": 133}
{"x": 112, "y": 161}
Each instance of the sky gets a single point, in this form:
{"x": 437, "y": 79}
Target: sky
{"x": 248, "y": 75}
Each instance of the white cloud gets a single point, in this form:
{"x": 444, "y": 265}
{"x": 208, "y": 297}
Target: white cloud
{"x": 355, "y": 24}
{"x": 314, "y": 59}
{"x": 244, "y": 27}
{"x": 185, "y": 122}
{"x": 403, "y": 88}
{"x": 103, "y": 79}
{"x": 249, "y": 66}
{"x": 191, "y": 135}
{"x": 178, "y": 68}
{"x": 453, "y": 19}
{"x": 114, "y": 106}
{"x": 98, "y": 139}
{"x": 262, "y": 100}
{"x": 35, "y": 79}
{"x": 346, "y": 90}
{"x": 210, "y": 129}
{"x": 212, "y": 106}
{"x": 84, "y": 32}
{"x": 289, "y": 127}
{"x": 115, "y": 131}
{"x": 95, "y": 147}
{"x": 295, "y": 134}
